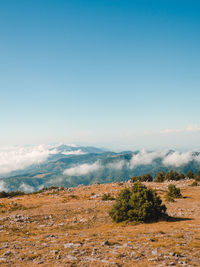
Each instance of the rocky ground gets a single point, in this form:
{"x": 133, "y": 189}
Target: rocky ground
{"x": 71, "y": 227}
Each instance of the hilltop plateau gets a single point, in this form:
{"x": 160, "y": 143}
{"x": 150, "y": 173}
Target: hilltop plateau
{"x": 72, "y": 227}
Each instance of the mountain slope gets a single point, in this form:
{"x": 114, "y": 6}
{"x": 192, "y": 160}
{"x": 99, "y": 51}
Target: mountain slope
{"x": 71, "y": 165}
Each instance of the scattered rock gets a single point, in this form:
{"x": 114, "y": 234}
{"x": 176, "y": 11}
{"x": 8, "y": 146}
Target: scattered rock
{"x": 105, "y": 243}
{"x": 7, "y": 253}
{"x": 6, "y": 245}
{"x": 72, "y": 258}
{"x": 154, "y": 252}
{"x": 54, "y": 252}
{"x": 94, "y": 251}
{"x": 72, "y": 245}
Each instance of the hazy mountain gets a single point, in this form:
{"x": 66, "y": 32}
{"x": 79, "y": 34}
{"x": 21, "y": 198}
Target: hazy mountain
{"x": 69, "y": 165}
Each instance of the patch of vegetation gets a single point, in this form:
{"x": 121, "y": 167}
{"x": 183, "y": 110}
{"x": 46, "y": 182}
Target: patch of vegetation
{"x": 107, "y": 197}
{"x": 190, "y": 175}
{"x": 168, "y": 176}
{"x": 74, "y": 196}
{"x": 45, "y": 189}
{"x": 194, "y": 183}
{"x": 142, "y": 178}
{"x": 169, "y": 198}
{"x": 11, "y": 207}
{"x": 160, "y": 177}
{"x": 139, "y": 204}
{"x": 197, "y": 178}
{"x": 4, "y": 194}
{"x": 173, "y": 192}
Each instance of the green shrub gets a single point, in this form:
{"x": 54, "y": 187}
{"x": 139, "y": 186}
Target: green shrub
{"x": 169, "y": 176}
{"x": 107, "y": 197}
{"x": 173, "y": 192}
{"x": 194, "y": 183}
{"x": 190, "y": 175}
{"x": 197, "y": 178}
{"x": 139, "y": 204}
{"x": 4, "y": 194}
{"x": 174, "y": 176}
{"x": 160, "y": 177}
{"x": 169, "y": 198}
{"x": 142, "y": 178}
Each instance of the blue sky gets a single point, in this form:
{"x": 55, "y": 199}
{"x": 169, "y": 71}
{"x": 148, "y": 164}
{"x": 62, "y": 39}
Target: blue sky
{"x": 119, "y": 74}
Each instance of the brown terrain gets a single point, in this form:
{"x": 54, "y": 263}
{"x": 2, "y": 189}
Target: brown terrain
{"x": 71, "y": 227}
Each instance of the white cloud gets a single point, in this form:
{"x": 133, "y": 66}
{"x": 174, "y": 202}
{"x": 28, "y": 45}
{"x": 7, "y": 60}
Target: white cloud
{"x": 72, "y": 145}
{"x": 17, "y": 158}
{"x": 82, "y": 169}
{"x": 145, "y": 157}
{"x": 171, "y": 131}
{"x": 40, "y": 187}
{"x": 189, "y": 128}
{"x": 193, "y": 128}
{"x": 197, "y": 158}
{"x": 26, "y": 188}
{"x": 178, "y": 159}
{"x": 55, "y": 181}
{"x": 116, "y": 165}
{"x": 3, "y": 186}
{"x": 75, "y": 152}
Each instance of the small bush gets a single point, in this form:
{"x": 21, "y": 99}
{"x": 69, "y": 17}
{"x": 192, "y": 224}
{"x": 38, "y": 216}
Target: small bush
{"x": 194, "y": 183}
{"x": 107, "y": 197}
{"x": 174, "y": 176}
{"x": 142, "y": 178}
{"x": 173, "y": 192}
{"x": 139, "y": 204}
{"x": 190, "y": 175}
{"x": 169, "y": 198}
{"x": 160, "y": 177}
{"x": 4, "y": 194}
{"x": 197, "y": 178}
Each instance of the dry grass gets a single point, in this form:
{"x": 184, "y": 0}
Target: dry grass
{"x": 81, "y": 218}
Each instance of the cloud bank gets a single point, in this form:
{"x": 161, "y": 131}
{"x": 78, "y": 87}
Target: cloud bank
{"x": 116, "y": 165}
{"x": 168, "y": 158}
{"x": 178, "y": 159}
{"x": 15, "y": 158}
{"x": 18, "y": 158}
{"x": 3, "y": 186}
{"x": 145, "y": 157}
{"x": 82, "y": 169}
{"x": 26, "y": 188}
{"x": 189, "y": 128}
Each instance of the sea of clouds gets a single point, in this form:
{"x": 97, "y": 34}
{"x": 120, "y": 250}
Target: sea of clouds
{"x": 174, "y": 159}
{"x": 19, "y": 158}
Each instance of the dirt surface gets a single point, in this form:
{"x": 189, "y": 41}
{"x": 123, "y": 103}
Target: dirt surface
{"x": 71, "y": 227}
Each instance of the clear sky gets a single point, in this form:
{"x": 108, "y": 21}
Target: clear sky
{"x": 122, "y": 74}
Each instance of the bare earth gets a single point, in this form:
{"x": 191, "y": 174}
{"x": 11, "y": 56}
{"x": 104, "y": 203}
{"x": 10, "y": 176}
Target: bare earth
{"x": 71, "y": 227}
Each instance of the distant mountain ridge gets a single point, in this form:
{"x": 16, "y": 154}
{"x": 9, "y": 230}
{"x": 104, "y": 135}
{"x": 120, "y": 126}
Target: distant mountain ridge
{"x": 69, "y": 166}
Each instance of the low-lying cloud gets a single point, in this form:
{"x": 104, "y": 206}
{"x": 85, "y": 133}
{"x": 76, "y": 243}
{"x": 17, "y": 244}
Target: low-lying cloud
{"x": 145, "y": 157}
{"x": 3, "y": 186}
{"x": 178, "y": 159}
{"x": 26, "y": 188}
{"x": 75, "y": 152}
{"x": 18, "y": 158}
{"x": 168, "y": 158}
{"x": 116, "y": 165}
{"x": 82, "y": 169}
